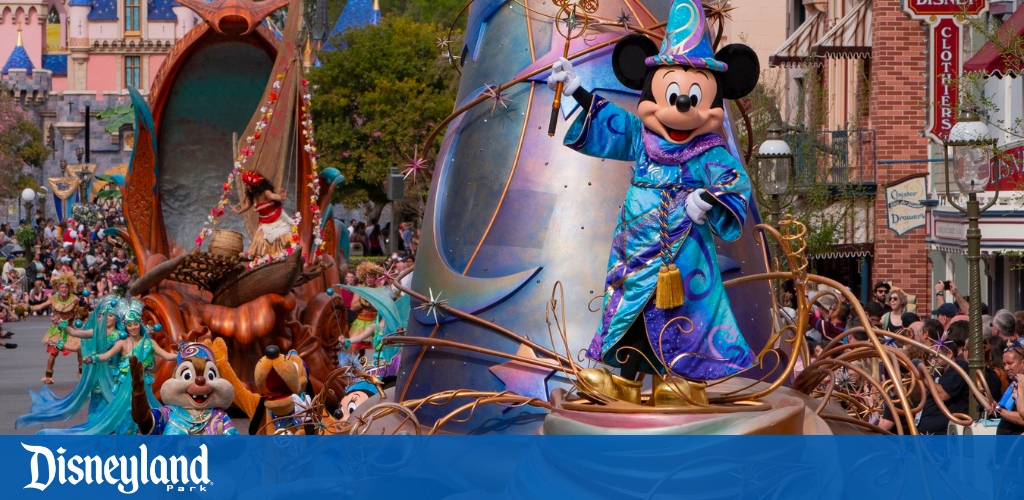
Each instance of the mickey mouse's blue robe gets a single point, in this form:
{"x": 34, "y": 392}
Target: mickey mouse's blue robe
{"x": 700, "y": 339}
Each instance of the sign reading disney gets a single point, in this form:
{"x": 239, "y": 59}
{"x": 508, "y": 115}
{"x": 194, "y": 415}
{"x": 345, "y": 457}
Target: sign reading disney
{"x": 177, "y": 473}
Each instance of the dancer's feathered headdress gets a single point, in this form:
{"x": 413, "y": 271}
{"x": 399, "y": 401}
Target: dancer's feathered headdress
{"x": 65, "y": 277}
{"x": 129, "y": 311}
{"x": 367, "y": 268}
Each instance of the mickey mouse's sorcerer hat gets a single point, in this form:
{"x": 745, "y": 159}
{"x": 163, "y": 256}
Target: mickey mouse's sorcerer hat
{"x": 687, "y": 41}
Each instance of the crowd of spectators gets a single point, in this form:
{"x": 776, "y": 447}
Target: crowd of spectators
{"x": 946, "y": 330}
{"x": 373, "y": 239}
{"x": 99, "y": 262}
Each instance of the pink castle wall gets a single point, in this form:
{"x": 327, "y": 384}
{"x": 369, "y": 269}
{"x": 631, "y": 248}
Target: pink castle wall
{"x": 155, "y": 61}
{"x": 102, "y": 74}
{"x": 104, "y": 30}
{"x": 33, "y": 34}
{"x": 59, "y": 83}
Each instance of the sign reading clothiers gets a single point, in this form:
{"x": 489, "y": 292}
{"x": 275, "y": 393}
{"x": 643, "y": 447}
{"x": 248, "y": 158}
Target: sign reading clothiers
{"x": 944, "y": 61}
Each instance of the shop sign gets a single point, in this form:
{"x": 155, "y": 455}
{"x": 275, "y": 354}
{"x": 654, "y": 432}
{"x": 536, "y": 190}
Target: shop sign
{"x": 950, "y": 230}
{"x": 926, "y": 10}
{"x": 903, "y": 208}
{"x": 945, "y": 31}
{"x": 1011, "y": 168}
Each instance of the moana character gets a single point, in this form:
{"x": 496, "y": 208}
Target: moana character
{"x": 274, "y": 234}
{"x": 194, "y": 398}
{"x": 665, "y": 310}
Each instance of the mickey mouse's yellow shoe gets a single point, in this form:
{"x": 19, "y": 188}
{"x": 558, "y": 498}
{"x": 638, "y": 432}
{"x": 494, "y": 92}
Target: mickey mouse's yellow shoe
{"x": 602, "y": 381}
{"x": 671, "y": 392}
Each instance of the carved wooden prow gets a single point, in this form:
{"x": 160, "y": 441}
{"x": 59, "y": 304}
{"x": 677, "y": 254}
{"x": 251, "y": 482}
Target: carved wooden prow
{"x": 233, "y": 17}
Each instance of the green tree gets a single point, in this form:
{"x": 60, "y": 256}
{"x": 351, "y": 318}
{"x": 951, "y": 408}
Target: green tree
{"x": 21, "y": 146}
{"x": 375, "y": 101}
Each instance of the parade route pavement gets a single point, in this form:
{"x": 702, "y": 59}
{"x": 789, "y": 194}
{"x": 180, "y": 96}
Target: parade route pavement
{"x": 21, "y": 369}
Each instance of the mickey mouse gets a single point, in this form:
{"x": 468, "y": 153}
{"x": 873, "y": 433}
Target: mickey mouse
{"x": 665, "y": 309}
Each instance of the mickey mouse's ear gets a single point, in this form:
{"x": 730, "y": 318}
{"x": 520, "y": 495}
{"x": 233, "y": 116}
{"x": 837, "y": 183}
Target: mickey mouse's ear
{"x": 744, "y": 70}
{"x": 628, "y": 60}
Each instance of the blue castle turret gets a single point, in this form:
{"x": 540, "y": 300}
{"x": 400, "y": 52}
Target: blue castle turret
{"x": 19, "y": 58}
{"x": 356, "y": 14}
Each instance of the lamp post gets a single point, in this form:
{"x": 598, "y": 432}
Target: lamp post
{"x": 85, "y": 175}
{"x": 774, "y": 165}
{"x": 28, "y": 195}
{"x": 971, "y": 146}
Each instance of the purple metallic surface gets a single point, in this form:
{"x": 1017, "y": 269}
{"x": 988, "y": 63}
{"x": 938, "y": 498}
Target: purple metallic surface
{"x": 554, "y": 223}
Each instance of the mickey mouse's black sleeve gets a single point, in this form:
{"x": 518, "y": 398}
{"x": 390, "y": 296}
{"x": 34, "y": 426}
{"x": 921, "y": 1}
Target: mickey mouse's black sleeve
{"x": 583, "y": 97}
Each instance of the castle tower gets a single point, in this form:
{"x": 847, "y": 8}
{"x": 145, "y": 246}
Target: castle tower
{"x": 19, "y": 58}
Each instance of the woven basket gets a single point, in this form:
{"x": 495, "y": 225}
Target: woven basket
{"x": 226, "y": 242}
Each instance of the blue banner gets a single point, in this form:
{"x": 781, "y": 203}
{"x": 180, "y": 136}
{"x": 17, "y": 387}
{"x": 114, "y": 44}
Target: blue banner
{"x": 507, "y": 467}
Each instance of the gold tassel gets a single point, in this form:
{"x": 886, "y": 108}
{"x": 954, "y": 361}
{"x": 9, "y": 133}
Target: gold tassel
{"x": 669, "y": 293}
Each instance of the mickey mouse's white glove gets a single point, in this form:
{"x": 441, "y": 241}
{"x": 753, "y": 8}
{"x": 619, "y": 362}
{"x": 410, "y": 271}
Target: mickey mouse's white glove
{"x": 696, "y": 207}
{"x": 562, "y": 71}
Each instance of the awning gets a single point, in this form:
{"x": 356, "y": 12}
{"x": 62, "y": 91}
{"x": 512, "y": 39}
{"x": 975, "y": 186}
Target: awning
{"x": 796, "y": 51}
{"x": 846, "y": 251}
{"x": 850, "y": 38}
{"x": 992, "y": 58}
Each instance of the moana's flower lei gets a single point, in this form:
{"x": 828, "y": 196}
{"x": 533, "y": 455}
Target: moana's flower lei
{"x": 243, "y": 156}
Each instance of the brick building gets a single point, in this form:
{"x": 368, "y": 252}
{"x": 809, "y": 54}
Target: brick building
{"x": 871, "y": 60}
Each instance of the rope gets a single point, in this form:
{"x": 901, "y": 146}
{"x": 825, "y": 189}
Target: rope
{"x": 668, "y": 191}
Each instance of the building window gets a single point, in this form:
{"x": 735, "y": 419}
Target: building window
{"x": 131, "y": 16}
{"x": 53, "y": 39}
{"x": 797, "y": 15}
{"x": 133, "y": 71}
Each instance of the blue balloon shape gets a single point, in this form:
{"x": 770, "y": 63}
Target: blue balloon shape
{"x": 85, "y": 293}
{"x": 330, "y": 291}
{"x": 157, "y": 327}
{"x": 78, "y": 323}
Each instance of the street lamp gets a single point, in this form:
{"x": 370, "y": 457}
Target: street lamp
{"x": 85, "y": 175}
{"x": 774, "y": 165}
{"x": 63, "y": 168}
{"x": 971, "y": 146}
{"x": 28, "y": 195}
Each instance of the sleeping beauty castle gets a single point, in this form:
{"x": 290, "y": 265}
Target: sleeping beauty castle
{"x": 62, "y": 58}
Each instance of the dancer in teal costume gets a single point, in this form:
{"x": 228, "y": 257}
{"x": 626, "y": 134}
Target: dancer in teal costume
{"x": 108, "y": 381}
{"x": 96, "y": 385}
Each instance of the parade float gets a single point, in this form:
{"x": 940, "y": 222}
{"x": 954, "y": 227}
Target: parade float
{"x": 513, "y": 274}
{"x": 232, "y": 73}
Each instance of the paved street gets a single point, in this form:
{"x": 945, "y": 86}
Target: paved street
{"x": 21, "y": 369}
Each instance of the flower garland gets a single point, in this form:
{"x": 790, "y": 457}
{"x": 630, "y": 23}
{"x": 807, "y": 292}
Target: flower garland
{"x": 314, "y": 177}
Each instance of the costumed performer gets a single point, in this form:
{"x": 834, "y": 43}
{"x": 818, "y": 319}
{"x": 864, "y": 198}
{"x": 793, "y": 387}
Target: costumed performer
{"x": 57, "y": 339}
{"x": 96, "y": 385}
{"x": 274, "y": 233}
{"x": 285, "y": 390}
{"x": 132, "y": 340}
{"x": 368, "y": 322}
{"x": 663, "y": 292}
{"x": 194, "y": 398}
{"x": 379, "y": 316}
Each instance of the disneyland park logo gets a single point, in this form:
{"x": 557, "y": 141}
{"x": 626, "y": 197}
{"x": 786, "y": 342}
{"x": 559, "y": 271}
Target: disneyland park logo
{"x": 176, "y": 473}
